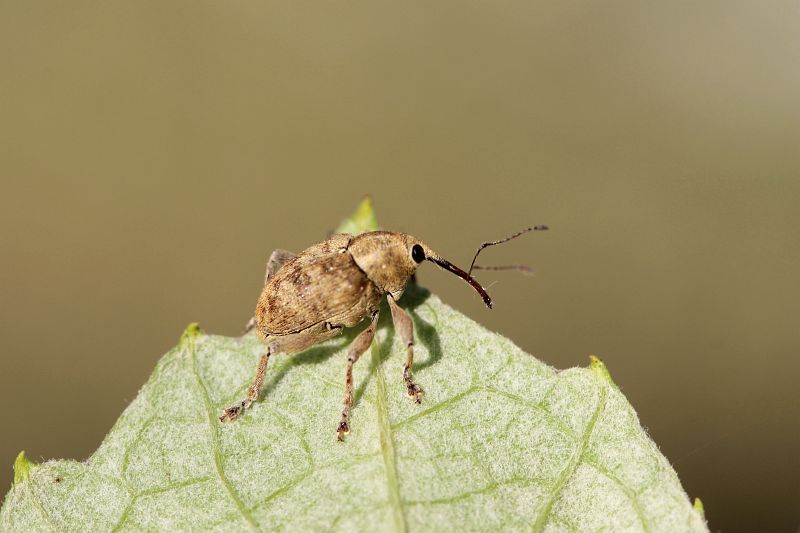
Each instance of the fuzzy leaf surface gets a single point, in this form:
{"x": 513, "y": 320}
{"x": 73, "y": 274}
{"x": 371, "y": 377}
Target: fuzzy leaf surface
{"x": 501, "y": 441}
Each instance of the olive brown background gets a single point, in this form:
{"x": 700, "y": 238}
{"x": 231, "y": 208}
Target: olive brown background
{"x": 152, "y": 154}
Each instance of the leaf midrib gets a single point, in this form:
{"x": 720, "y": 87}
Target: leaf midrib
{"x": 213, "y": 423}
{"x": 387, "y": 443}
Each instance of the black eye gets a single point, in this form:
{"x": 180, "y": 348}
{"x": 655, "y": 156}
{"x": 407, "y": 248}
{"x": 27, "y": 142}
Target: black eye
{"x": 417, "y": 253}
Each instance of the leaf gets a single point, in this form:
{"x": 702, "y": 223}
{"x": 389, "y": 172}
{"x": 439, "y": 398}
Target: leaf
{"x": 22, "y": 468}
{"x": 501, "y": 441}
{"x": 363, "y": 219}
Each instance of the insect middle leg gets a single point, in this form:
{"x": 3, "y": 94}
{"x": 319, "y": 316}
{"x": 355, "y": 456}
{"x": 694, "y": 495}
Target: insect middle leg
{"x": 358, "y": 347}
{"x": 405, "y": 328}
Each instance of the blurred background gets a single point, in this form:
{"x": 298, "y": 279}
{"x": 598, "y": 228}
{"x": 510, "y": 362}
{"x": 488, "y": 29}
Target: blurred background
{"x": 152, "y": 154}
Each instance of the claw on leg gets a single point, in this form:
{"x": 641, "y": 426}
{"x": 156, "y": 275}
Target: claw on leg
{"x": 342, "y": 430}
{"x": 415, "y": 392}
{"x": 232, "y": 413}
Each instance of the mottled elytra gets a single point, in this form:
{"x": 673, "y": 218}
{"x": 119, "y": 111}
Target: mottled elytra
{"x": 335, "y": 284}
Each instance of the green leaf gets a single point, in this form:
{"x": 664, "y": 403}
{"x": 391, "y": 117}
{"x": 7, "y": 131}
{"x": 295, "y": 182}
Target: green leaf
{"x": 698, "y": 506}
{"x": 22, "y": 468}
{"x": 362, "y": 220}
{"x": 501, "y": 441}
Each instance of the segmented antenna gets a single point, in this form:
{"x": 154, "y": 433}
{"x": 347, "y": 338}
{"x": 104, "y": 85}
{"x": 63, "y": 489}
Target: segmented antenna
{"x": 523, "y": 268}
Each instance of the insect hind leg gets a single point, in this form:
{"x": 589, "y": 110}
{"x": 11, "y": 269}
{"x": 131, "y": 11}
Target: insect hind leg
{"x": 233, "y": 412}
{"x": 285, "y": 344}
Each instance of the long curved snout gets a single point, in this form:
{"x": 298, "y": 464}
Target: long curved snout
{"x": 447, "y": 265}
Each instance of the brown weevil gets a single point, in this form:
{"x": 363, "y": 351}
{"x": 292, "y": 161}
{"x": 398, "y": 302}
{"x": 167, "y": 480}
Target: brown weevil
{"x": 335, "y": 284}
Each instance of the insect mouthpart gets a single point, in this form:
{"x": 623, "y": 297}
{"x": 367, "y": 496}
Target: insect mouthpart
{"x": 447, "y": 265}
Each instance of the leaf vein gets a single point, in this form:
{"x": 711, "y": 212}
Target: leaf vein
{"x": 214, "y": 430}
{"x": 628, "y": 492}
{"x": 569, "y": 471}
{"x": 387, "y": 444}
{"x": 483, "y": 490}
{"x": 37, "y": 501}
{"x": 432, "y": 409}
{"x": 536, "y": 407}
{"x": 126, "y": 458}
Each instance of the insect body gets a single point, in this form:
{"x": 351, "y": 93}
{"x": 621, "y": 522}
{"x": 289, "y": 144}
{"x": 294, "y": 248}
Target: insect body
{"x": 335, "y": 284}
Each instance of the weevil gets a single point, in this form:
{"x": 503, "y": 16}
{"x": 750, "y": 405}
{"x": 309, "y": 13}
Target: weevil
{"x": 336, "y": 284}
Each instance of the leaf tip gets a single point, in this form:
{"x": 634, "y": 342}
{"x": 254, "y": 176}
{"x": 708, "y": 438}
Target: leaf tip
{"x": 362, "y": 220}
{"x": 599, "y": 368}
{"x": 698, "y": 506}
{"x": 190, "y": 333}
{"x": 22, "y": 468}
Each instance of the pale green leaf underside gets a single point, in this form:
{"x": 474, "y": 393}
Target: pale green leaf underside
{"x": 501, "y": 441}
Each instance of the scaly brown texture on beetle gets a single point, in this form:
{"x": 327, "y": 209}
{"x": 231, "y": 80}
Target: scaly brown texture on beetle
{"x": 335, "y": 284}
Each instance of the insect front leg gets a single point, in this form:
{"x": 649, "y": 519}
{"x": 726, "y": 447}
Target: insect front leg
{"x": 232, "y": 412}
{"x": 359, "y": 346}
{"x": 405, "y": 328}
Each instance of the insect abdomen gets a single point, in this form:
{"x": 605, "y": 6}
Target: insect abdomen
{"x": 308, "y": 291}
